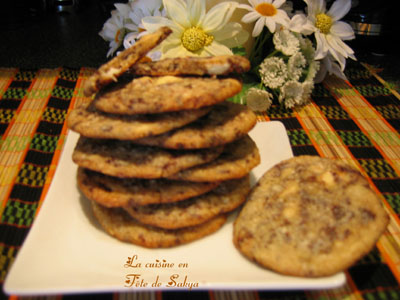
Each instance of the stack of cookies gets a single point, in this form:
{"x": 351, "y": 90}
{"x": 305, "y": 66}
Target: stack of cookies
{"x": 162, "y": 156}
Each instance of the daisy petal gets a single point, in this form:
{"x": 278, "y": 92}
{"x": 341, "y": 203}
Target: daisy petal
{"x": 254, "y": 3}
{"x": 322, "y": 47}
{"x": 282, "y": 18}
{"x": 197, "y": 10}
{"x": 250, "y": 17}
{"x": 216, "y": 49}
{"x": 278, "y": 3}
{"x": 299, "y": 23}
{"x": 258, "y": 27}
{"x": 320, "y": 5}
{"x": 343, "y": 30}
{"x": 175, "y": 52}
{"x": 218, "y": 16}
{"x": 151, "y": 24}
{"x": 227, "y": 32}
{"x": 232, "y": 35}
{"x": 123, "y": 9}
{"x": 177, "y": 11}
{"x": 337, "y": 44}
{"x": 246, "y": 6}
{"x": 339, "y": 9}
{"x": 270, "y": 23}
{"x": 337, "y": 71}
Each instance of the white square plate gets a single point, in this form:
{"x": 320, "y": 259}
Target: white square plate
{"x": 66, "y": 251}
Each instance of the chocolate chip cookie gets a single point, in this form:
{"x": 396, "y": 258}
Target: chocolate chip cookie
{"x": 117, "y": 223}
{"x": 225, "y": 123}
{"x": 309, "y": 216}
{"x": 125, "y": 159}
{"x": 111, "y": 191}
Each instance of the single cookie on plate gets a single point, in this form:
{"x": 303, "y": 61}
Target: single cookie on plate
{"x": 117, "y": 66}
{"x": 117, "y": 223}
{"x": 90, "y": 122}
{"x": 112, "y": 191}
{"x": 125, "y": 159}
{"x": 225, "y": 123}
{"x": 212, "y": 65}
{"x": 147, "y": 95}
{"x": 309, "y": 216}
{"x": 237, "y": 160}
{"x": 223, "y": 199}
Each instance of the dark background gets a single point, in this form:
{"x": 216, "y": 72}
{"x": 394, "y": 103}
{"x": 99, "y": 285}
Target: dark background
{"x": 43, "y": 33}
{"x": 64, "y": 33}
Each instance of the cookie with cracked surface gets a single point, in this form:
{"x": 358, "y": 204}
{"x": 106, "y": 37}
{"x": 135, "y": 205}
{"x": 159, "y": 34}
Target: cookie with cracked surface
{"x": 309, "y": 216}
{"x": 199, "y": 66}
{"x": 147, "y": 95}
{"x": 90, "y": 122}
{"x": 117, "y": 223}
{"x": 125, "y": 159}
{"x": 111, "y": 191}
{"x": 223, "y": 199}
{"x": 236, "y": 161}
{"x": 225, "y": 123}
{"x": 118, "y": 65}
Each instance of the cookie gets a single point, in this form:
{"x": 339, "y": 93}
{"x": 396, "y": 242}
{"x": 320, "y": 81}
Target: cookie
{"x": 117, "y": 66}
{"x": 225, "y": 123}
{"x": 236, "y": 161}
{"x": 117, "y": 223}
{"x": 226, "y": 197}
{"x": 309, "y": 216}
{"x": 200, "y": 66}
{"x": 147, "y": 95}
{"x": 116, "y": 192}
{"x": 93, "y": 123}
{"x": 125, "y": 159}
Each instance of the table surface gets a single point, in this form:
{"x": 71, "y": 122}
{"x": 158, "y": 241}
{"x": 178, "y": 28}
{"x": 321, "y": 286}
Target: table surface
{"x": 357, "y": 121}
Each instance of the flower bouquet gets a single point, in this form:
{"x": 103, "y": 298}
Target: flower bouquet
{"x": 289, "y": 53}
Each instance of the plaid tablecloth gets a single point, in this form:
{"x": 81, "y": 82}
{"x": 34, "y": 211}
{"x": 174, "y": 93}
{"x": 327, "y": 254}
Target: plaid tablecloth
{"x": 357, "y": 121}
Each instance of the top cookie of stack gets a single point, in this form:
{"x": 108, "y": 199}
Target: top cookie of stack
{"x": 162, "y": 156}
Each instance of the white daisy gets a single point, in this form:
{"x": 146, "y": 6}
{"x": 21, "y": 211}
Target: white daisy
{"x": 273, "y": 72}
{"x": 258, "y": 100}
{"x": 113, "y": 31}
{"x": 141, "y": 9}
{"x": 299, "y": 23}
{"x": 195, "y": 31}
{"x": 329, "y": 66}
{"x": 265, "y": 13}
{"x": 329, "y": 31}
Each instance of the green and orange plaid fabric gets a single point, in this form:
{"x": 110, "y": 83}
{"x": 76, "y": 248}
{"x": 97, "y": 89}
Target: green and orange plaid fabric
{"x": 357, "y": 121}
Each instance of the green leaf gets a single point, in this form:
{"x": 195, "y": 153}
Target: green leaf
{"x": 239, "y": 51}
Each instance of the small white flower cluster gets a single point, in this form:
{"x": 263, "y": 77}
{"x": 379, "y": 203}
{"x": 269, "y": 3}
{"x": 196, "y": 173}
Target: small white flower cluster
{"x": 288, "y": 72}
{"x": 293, "y": 65}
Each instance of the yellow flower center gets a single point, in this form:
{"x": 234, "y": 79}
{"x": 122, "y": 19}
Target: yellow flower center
{"x": 194, "y": 38}
{"x": 323, "y": 23}
{"x": 266, "y": 9}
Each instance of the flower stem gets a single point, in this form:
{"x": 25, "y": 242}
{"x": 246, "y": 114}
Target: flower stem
{"x": 258, "y": 52}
